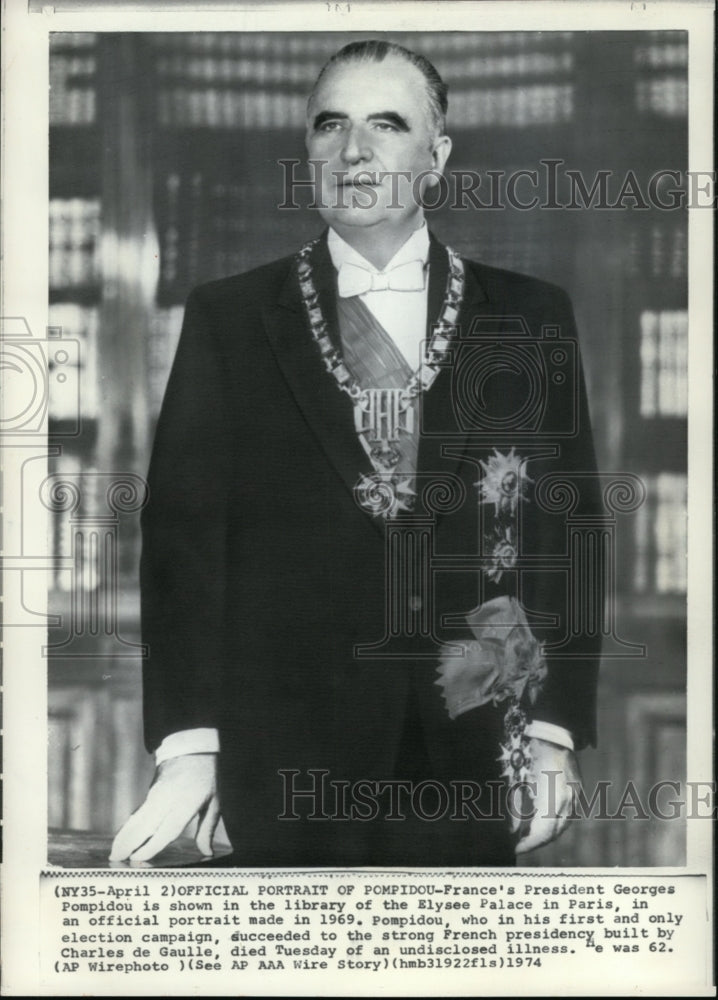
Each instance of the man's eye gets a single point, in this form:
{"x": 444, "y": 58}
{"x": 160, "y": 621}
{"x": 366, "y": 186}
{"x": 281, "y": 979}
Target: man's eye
{"x": 329, "y": 126}
{"x": 385, "y": 126}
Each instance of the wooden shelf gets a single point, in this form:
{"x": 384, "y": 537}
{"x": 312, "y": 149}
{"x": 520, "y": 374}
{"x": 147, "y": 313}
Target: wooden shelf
{"x": 83, "y": 295}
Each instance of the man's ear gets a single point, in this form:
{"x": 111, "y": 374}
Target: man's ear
{"x": 440, "y": 152}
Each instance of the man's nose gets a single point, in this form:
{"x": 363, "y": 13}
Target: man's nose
{"x": 356, "y": 148}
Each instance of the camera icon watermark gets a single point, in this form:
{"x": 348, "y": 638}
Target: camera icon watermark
{"x": 65, "y": 521}
{"x": 38, "y": 374}
{"x": 507, "y": 382}
{"x": 537, "y": 378}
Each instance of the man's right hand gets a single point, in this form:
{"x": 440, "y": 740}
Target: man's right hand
{"x": 183, "y": 787}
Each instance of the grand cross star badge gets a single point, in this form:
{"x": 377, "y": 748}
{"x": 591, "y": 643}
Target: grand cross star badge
{"x": 503, "y": 484}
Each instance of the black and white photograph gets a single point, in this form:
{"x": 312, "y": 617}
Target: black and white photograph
{"x": 327, "y": 570}
{"x": 363, "y": 451}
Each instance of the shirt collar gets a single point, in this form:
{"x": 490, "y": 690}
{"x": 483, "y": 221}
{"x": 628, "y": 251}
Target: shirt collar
{"x": 415, "y": 248}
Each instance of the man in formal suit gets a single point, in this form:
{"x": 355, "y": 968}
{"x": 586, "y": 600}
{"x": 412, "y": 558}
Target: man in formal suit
{"x": 339, "y": 515}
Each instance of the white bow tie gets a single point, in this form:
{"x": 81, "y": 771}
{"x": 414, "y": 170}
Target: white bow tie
{"x": 353, "y": 279}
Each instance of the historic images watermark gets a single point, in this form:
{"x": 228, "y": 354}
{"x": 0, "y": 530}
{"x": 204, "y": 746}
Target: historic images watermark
{"x": 550, "y": 186}
{"x": 315, "y": 796}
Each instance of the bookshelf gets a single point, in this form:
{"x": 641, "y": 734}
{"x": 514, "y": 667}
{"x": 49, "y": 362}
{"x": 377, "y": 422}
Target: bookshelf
{"x": 656, "y": 373}
{"x": 101, "y": 299}
{"x": 164, "y": 156}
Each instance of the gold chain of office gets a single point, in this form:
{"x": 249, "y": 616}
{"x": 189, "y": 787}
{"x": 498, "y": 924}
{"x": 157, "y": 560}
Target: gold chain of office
{"x": 382, "y": 415}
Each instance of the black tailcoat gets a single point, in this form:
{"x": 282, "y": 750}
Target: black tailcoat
{"x": 261, "y": 575}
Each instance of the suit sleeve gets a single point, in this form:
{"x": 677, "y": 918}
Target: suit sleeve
{"x": 183, "y": 563}
{"x": 565, "y": 519}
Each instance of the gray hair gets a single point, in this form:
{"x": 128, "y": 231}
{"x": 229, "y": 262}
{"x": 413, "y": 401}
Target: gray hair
{"x": 375, "y": 50}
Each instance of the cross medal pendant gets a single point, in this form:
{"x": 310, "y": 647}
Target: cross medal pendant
{"x": 380, "y": 416}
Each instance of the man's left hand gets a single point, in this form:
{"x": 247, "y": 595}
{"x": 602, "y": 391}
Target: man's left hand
{"x": 553, "y": 768}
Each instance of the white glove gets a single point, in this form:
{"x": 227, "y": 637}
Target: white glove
{"x": 554, "y": 794}
{"x": 183, "y": 787}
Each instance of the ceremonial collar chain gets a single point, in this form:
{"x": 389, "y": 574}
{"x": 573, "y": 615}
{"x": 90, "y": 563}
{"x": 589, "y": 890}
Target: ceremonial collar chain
{"x": 382, "y": 415}
{"x": 436, "y": 352}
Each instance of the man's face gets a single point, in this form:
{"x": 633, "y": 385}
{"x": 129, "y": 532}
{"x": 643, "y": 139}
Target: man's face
{"x": 370, "y": 124}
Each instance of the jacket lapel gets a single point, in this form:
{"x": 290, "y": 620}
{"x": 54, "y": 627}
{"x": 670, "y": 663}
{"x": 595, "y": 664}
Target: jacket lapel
{"x": 327, "y": 410}
{"x": 443, "y": 442}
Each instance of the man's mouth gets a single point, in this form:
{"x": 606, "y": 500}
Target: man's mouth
{"x": 361, "y": 181}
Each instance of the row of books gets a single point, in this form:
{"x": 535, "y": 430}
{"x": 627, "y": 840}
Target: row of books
{"x": 71, "y": 41}
{"x": 664, "y": 363}
{"x": 161, "y": 346}
{"x": 74, "y": 226}
{"x": 660, "y": 251}
{"x": 204, "y": 227}
{"x": 448, "y": 43}
{"x": 254, "y": 43}
{"x": 73, "y": 96}
{"x": 74, "y": 221}
{"x": 210, "y": 70}
{"x": 661, "y": 536}
{"x": 217, "y": 107}
{"x": 235, "y": 69}
{"x": 323, "y": 45}
{"x": 242, "y": 69}
{"x": 517, "y": 107}
{"x": 666, "y": 96}
{"x": 661, "y": 55}
{"x": 671, "y": 533}
{"x": 73, "y": 267}
{"x": 75, "y": 360}
{"x": 546, "y": 64}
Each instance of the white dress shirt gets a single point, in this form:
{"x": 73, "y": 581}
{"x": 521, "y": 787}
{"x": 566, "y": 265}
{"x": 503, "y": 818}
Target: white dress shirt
{"x": 403, "y": 316}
